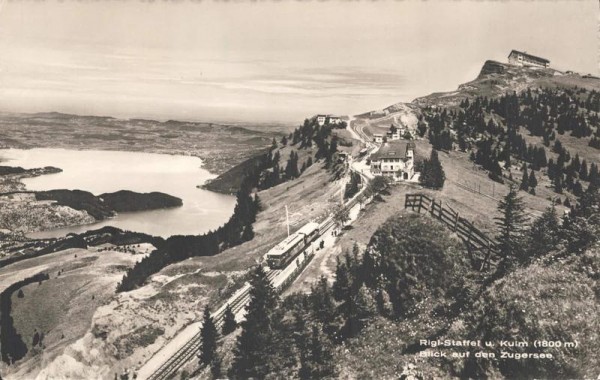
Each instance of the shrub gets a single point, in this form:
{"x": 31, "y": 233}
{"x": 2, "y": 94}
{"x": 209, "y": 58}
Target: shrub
{"x": 417, "y": 258}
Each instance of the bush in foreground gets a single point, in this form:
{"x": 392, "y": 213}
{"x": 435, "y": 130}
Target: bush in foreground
{"x": 416, "y": 258}
{"x": 539, "y": 303}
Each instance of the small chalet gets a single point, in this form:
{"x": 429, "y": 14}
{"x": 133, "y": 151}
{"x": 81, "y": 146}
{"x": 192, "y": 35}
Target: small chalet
{"x": 321, "y": 119}
{"x": 395, "y": 132}
{"x": 328, "y": 119}
{"x": 523, "y": 59}
{"x": 377, "y": 137}
{"x": 395, "y": 159}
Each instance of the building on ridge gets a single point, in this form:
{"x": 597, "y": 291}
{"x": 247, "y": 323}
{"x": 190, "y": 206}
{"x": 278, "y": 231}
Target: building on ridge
{"x": 524, "y": 59}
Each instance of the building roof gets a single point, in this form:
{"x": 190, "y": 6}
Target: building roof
{"x": 393, "y": 149}
{"x": 533, "y": 57}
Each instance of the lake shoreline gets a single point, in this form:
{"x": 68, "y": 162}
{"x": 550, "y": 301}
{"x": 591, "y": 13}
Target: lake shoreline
{"x": 171, "y": 186}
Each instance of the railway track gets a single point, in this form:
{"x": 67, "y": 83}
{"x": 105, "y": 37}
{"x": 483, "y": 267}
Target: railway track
{"x": 237, "y": 302}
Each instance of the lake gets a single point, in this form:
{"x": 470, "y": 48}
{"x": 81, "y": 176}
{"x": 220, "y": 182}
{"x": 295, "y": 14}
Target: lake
{"x": 108, "y": 171}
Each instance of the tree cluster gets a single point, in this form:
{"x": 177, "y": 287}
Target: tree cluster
{"x": 490, "y": 128}
{"x": 432, "y": 172}
{"x": 311, "y": 133}
{"x": 518, "y": 243}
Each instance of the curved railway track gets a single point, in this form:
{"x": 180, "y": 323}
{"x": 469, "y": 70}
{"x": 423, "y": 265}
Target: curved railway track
{"x": 237, "y": 302}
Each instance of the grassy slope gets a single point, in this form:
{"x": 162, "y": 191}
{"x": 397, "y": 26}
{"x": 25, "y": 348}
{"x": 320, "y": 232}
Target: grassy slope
{"x": 176, "y": 296}
{"x": 479, "y": 208}
{"x": 65, "y": 304}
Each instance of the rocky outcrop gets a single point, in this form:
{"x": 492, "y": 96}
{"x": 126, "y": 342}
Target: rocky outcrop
{"x": 491, "y": 67}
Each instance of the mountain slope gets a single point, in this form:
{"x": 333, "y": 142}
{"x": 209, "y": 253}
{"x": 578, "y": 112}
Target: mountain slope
{"x": 494, "y": 79}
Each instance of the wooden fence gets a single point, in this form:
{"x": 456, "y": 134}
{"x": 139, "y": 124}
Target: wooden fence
{"x": 481, "y": 248}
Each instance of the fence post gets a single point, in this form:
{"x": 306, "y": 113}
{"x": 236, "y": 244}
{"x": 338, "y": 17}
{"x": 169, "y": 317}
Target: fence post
{"x": 469, "y": 236}
{"x": 420, "y": 202}
{"x": 486, "y": 263}
{"x": 455, "y": 222}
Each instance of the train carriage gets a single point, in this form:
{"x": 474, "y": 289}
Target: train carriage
{"x": 284, "y": 252}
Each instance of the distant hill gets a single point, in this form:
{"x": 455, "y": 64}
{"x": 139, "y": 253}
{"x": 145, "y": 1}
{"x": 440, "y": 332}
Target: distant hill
{"x": 221, "y": 146}
{"x": 494, "y": 79}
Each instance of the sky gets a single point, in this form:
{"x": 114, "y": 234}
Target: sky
{"x": 268, "y": 61}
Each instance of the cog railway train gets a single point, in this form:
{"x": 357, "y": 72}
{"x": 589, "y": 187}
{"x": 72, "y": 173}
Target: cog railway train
{"x": 284, "y": 252}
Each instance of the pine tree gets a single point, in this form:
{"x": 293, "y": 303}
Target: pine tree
{"x": 229, "y": 322}
{"x": 511, "y": 228}
{"x": 291, "y": 169}
{"x": 544, "y": 234}
{"x": 323, "y": 307}
{"x": 368, "y": 270}
{"x": 216, "y": 368}
{"x": 593, "y": 176}
{"x": 582, "y": 225}
{"x": 432, "y": 175}
{"x": 316, "y": 358}
{"x": 209, "y": 334}
{"x": 558, "y": 184}
{"x": 583, "y": 170}
{"x": 532, "y": 182}
{"x": 341, "y": 285}
{"x": 259, "y": 346}
{"x": 524, "y": 179}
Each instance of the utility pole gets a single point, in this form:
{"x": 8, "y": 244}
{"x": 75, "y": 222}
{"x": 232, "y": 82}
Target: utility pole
{"x": 287, "y": 218}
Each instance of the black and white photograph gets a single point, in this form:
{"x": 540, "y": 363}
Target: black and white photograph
{"x": 287, "y": 189}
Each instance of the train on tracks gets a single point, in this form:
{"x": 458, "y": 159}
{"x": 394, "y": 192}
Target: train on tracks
{"x": 284, "y": 252}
